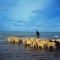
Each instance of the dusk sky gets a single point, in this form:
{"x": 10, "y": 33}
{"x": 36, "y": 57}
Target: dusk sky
{"x": 30, "y": 15}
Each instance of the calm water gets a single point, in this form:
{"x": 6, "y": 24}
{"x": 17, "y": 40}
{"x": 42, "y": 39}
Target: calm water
{"x": 49, "y": 35}
{"x": 9, "y": 51}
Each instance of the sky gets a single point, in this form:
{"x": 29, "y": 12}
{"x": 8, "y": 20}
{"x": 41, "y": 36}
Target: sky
{"x": 30, "y": 15}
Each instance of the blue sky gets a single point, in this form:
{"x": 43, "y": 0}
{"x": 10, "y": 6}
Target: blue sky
{"x": 30, "y": 15}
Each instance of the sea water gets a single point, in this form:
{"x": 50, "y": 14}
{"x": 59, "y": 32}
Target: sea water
{"x": 47, "y": 35}
{"x": 10, "y": 51}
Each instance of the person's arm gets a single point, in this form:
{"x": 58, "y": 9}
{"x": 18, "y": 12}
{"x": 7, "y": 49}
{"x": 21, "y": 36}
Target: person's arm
{"x": 39, "y": 34}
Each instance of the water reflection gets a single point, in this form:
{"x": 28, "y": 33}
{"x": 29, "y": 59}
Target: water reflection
{"x": 15, "y": 51}
{"x": 28, "y": 48}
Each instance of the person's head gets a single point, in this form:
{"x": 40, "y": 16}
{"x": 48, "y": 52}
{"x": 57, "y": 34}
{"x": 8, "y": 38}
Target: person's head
{"x": 36, "y": 31}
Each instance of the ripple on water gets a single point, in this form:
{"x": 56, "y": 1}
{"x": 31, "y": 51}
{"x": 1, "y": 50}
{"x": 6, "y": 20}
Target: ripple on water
{"x": 20, "y": 52}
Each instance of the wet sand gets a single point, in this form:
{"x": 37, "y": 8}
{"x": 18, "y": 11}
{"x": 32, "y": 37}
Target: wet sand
{"x": 9, "y": 51}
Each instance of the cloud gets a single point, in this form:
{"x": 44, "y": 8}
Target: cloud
{"x": 17, "y": 25}
{"x": 36, "y": 25}
{"x": 52, "y": 25}
{"x": 5, "y": 27}
{"x": 1, "y": 8}
{"x": 11, "y": 20}
{"x": 58, "y": 1}
{"x": 20, "y": 21}
{"x": 34, "y": 0}
{"x": 0, "y": 18}
{"x": 36, "y": 11}
{"x": 6, "y": 3}
{"x": 58, "y": 8}
{"x": 48, "y": 23}
{"x": 30, "y": 15}
{"x": 25, "y": 12}
{"x": 33, "y": 25}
